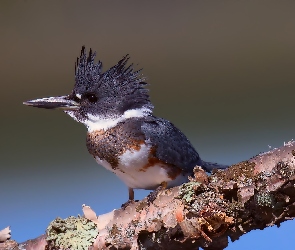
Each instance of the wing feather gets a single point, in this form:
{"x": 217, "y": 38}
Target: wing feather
{"x": 171, "y": 144}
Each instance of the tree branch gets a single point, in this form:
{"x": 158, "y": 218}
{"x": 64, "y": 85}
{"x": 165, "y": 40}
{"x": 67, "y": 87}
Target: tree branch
{"x": 204, "y": 212}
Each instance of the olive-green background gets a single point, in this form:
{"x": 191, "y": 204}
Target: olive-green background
{"x": 222, "y": 71}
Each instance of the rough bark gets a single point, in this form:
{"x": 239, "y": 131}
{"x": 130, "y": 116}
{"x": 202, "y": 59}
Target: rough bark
{"x": 204, "y": 212}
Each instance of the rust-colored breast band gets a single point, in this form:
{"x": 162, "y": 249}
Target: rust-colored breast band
{"x": 109, "y": 145}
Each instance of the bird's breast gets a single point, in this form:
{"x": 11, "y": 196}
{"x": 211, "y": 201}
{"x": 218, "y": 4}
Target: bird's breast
{"x": 139, "y": 169}
{"x": 110, "y": 144}
{"x": 133, "y": 160}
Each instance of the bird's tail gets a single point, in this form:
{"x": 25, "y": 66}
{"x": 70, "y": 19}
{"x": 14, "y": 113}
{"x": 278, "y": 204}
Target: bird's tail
{"x": 209, "y": 166}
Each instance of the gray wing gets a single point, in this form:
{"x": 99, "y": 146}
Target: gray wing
{"x": 171, "y": 144}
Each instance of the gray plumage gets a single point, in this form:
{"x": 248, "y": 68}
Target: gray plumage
{"x": 171, "y": 144}
{"x": 123, "y": 135}
{"x": 116, "y": 90}
{"x": 173, "y": 147}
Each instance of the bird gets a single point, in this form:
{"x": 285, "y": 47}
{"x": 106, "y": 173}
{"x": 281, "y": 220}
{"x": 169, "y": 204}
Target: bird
{"x": 123, "y": 135}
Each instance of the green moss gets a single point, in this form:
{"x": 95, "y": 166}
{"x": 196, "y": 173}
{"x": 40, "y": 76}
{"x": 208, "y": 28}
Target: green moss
{"x": 187, "y": 191}
{"x": 265, "y": 199}
{"x": 73, "y": 232}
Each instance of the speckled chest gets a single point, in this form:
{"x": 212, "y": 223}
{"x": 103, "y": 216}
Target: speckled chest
{"x": 125, "y": 151}
{"x": 110, "y": 144}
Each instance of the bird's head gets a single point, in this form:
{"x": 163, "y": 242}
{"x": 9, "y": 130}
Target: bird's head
{"x": 102, "y": 99}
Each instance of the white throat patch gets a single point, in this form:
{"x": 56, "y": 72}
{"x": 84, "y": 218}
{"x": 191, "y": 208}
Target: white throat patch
{"x": 97, "y": 123}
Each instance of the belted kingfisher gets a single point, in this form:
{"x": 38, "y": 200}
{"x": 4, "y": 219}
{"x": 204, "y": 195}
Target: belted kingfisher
{"x": 124, "y": 136}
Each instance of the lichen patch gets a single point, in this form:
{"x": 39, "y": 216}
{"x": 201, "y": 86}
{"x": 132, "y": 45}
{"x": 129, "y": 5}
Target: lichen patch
{"x": 71, "y": 233}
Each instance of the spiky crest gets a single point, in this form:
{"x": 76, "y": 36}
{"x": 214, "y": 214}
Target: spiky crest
{"x": 117, "y": 90}
{"x": 86, "y": 67}
{"x": 117, "y": 77}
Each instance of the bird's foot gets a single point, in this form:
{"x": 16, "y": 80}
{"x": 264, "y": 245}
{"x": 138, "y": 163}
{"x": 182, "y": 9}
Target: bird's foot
{"x": 153, "y": 195}
{"x": 127, "y": 203}
{"x": 130, "y": 200}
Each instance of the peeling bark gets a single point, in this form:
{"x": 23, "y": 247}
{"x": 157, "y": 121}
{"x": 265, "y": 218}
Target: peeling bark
{"x": 204, "y": 212}
{"x": 5, "y": 234}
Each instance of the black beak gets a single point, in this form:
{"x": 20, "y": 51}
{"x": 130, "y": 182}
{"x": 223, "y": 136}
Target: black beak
{"x": 59, "y": 102}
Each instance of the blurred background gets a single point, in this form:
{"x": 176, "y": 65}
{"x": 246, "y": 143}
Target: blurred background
{"x": 221, "y": 71}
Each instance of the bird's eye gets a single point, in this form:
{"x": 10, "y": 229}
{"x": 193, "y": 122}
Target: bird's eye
{"x": 91, "y": 97}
